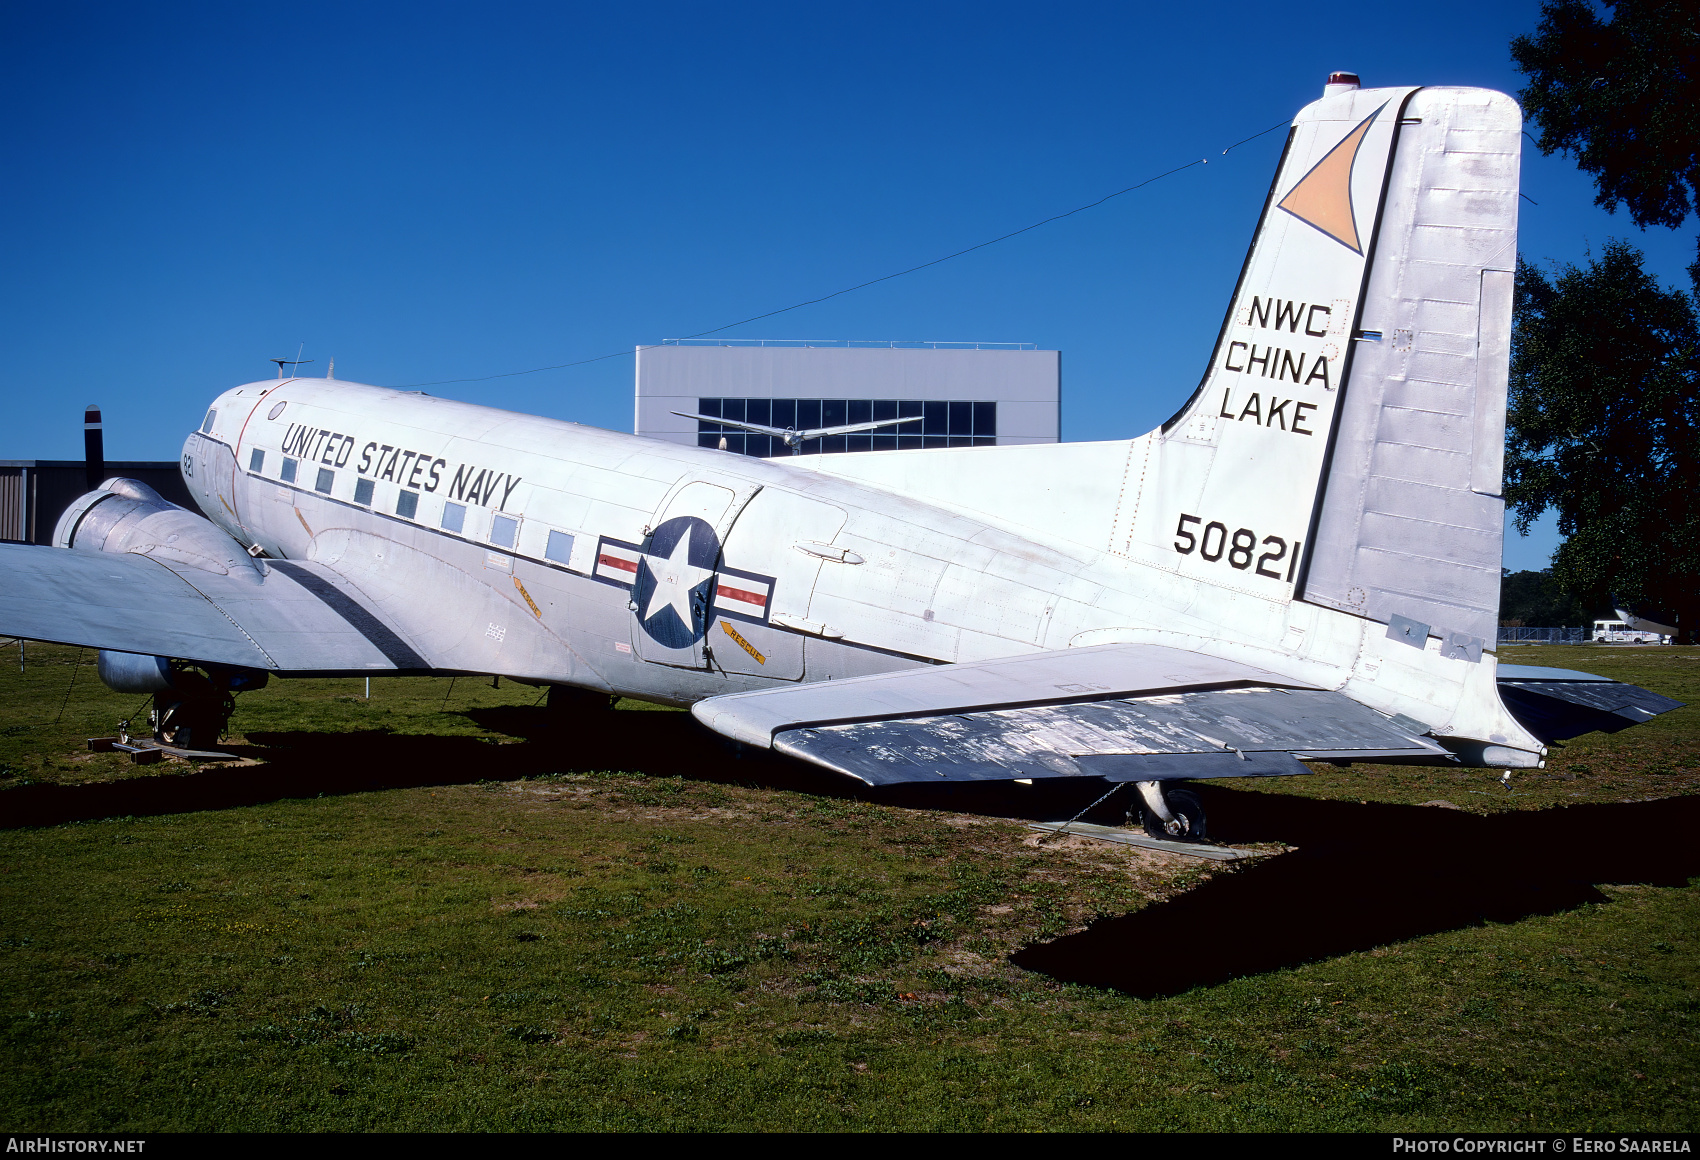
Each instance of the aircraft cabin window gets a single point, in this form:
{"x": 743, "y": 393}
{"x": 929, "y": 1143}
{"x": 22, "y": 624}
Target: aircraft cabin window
{"x": 504, "y": 530}
{"x": 287, "y": 471}
{"x": 326, "y": 478}
{"x": 257, "y": 461}
{"x": 454, "y": 517}
{"x": 212, "y": 417}
{"x": 363, "y": 492}
{"x": 407, "y": 503}
{"x": 560, "y": 548}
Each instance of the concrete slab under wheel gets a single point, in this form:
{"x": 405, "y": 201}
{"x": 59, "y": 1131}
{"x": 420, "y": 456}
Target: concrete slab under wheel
{"x": 1145, "y": 841}
{"x": 143, "y": 752}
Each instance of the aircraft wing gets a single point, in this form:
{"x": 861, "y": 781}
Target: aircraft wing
{"x": 1126, "y": 712}
{"x": 297, "y": 617}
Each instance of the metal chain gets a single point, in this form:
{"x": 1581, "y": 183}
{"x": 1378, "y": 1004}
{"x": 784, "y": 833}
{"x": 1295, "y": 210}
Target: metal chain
{"x": 69, "y": 687}
{"x": 1059, "y": 833}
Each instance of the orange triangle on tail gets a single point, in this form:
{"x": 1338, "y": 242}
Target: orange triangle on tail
{"x": 1323, "y": 197}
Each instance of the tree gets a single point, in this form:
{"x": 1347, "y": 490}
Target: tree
{"x": 1623, "y": 97}
{"x": 1534, "y": 599}
{"x": 1604, "y": 401}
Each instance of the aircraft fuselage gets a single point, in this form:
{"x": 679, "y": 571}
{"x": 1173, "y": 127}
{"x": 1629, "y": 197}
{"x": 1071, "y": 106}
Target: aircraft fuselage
{"x": 549, "y": 551}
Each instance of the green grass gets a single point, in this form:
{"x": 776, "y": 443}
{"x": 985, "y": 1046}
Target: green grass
{"x": 423, "y": 912}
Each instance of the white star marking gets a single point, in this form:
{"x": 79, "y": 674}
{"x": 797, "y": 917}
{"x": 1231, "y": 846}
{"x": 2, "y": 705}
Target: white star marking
{"x": 674, "y": 579}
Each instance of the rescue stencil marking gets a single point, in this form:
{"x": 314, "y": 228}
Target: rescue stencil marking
{"x": 532, "y": 604}
{"x": 742, "y": 643}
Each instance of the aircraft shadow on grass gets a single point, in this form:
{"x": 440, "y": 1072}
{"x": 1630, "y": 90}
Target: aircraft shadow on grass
{"x": 1361, "y": 876}
{"x": 1364, "y": 876}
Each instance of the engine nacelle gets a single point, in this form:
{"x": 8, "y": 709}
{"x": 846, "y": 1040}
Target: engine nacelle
{"x": 125, "y": 515}
{"x": 124, "y": 672}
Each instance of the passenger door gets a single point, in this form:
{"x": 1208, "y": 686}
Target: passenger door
{"x": 767, "y": 578}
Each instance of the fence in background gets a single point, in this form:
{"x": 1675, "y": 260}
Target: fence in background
{"x": 1543, "y": 636}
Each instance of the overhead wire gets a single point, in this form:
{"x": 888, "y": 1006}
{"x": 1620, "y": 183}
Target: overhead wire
{"x": 859, "y": 285}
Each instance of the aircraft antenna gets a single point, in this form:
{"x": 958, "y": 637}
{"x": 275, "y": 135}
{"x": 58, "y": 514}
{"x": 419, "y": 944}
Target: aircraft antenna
{"x": 288, "y": 362}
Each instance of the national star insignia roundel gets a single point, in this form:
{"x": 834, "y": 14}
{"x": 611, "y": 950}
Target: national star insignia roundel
{"x": 675, "y": 578}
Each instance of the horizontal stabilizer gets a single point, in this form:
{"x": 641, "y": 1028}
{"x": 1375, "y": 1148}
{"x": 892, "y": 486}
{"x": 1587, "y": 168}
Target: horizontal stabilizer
{"x": 1556, "y": 704}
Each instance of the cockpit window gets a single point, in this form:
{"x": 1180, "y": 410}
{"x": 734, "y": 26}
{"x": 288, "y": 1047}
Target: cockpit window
{"x": 207, "y": 423}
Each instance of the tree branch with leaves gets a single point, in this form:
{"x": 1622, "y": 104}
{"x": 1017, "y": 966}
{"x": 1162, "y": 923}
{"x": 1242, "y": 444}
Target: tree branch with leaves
{"x": 1604, "y": 402}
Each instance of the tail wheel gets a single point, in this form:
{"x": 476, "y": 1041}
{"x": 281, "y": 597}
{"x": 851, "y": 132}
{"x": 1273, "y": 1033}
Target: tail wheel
{"x": 1188, "y": 811}
{"x": 570, "y": 707}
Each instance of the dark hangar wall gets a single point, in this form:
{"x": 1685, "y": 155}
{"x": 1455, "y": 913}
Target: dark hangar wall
{"x": 34, "y": 492}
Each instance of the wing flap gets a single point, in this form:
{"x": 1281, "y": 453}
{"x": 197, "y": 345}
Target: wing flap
{"x": 1096, "y": 673}
{"x": 1121, "y": 711}
{"x": 1240, "y": 732}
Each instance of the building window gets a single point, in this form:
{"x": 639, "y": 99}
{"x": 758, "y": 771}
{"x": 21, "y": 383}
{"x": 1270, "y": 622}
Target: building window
{"x": 257, "y": 461}
{"x": 326, "y": 478}
{"x": 363, "y": 492}
{"x": 454, "y": 517}
{"x": 559, "y": 548}
{"x": 407, "y": 504}
{"x": 938, "y": 423}
{"x": 287, "y": 471}
{"x": 504, "y": 530}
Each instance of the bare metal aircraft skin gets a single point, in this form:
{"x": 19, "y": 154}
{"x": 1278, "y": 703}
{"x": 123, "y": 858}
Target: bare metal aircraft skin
{"x": 1303, "y": 563}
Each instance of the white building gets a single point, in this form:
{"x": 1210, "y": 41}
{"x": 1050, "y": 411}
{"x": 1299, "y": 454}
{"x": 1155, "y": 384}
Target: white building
{"x": 957, "y": 394}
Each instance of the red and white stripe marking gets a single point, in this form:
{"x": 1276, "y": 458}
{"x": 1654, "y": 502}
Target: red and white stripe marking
{"x": 742, "y": 594}
{"x": 616, "y": 563}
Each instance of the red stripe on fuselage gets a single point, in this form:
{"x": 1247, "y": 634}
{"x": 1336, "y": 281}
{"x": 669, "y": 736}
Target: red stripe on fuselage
{"x": 757, "y": 598}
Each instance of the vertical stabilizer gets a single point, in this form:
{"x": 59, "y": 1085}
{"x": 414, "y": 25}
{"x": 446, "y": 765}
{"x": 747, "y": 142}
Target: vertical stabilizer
{"x": 1345, "y": 447}
{"x": 1226, "y": 492}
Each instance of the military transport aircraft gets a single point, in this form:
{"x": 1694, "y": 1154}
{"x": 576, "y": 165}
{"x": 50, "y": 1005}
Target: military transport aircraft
{"x": 1303, "y": 563}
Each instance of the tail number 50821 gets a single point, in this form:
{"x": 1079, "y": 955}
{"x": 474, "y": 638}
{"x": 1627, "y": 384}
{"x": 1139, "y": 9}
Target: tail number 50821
{"x": 1213, "y": 543}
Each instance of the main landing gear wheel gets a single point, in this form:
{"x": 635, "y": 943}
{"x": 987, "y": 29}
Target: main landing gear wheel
{"x": 1186, "y": 811}
{"x": 193, "y": 714}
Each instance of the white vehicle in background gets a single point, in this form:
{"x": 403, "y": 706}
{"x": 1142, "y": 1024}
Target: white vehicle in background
{"x": 1618, "y": 632}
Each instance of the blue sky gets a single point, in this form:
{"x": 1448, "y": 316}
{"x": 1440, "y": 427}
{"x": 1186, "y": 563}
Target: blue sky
{"x": 442, "y": 191}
